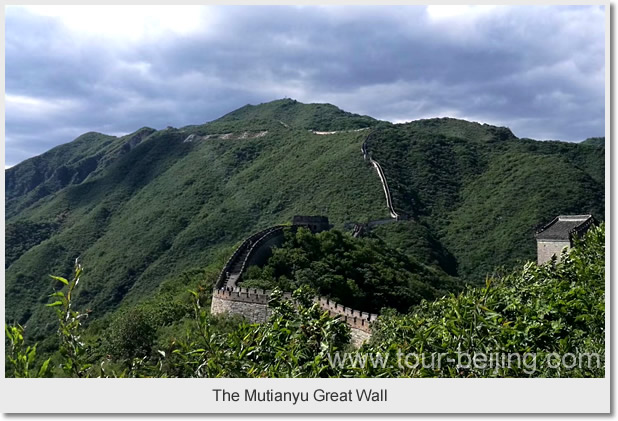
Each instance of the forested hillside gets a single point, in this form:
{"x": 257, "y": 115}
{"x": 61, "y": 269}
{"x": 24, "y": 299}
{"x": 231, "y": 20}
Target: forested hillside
{"x": 143, "y": 209}
{"x": 480, "y": 192}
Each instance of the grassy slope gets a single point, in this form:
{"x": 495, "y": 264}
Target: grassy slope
{"x": 321, "y": 117}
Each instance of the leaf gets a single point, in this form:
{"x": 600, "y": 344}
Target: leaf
{"x": 44, "y": 367}
{"x": 60, "y": 279}
{"x": 54, "y": 304}
{"x": 31, "y": 354}
{"x": 8, "y": 333}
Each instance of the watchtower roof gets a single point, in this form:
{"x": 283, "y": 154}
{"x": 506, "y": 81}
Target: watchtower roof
{"x": 563, "y": 227}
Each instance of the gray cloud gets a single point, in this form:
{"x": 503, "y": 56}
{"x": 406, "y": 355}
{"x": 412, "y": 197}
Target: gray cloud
{"x": 537, "y": 69}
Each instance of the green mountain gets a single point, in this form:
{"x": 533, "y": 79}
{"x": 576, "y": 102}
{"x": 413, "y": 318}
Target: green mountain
{"x": 597, "y": 142}
{"x": 146, "y": 207}
{"x": 480, "y": 191}
{"x": 321, "y": 117}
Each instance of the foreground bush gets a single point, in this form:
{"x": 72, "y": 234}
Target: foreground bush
{"x": 547, "y": 311}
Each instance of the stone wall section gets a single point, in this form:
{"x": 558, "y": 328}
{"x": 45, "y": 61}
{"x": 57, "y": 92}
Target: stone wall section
{"x": 547, "y": 249}
{"x": 256, "y": 249}
{"x": 237, "y": 261}
{"x": 253, "y": 312}
{"x": 359, "y": 337}
{"x": 252, "y": 304}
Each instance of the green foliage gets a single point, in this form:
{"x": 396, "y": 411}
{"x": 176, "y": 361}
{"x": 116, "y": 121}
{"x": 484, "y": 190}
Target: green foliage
{"x": 455, "y": 128}
{"x": 361, "y": 273}
{"x": 554, "y": 308}
{"x": 72, "y": 348}
{"x": 417, "y": 241}
{"x": 21, "y": 236}
{"x": 133, "y": 332}
{"x": 596, "y": 142}
{"x": 20, "y": 359}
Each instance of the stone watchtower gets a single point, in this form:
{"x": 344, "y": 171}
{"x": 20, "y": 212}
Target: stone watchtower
{"x": 552, "y": 238}
{"x": 314, "y": 223}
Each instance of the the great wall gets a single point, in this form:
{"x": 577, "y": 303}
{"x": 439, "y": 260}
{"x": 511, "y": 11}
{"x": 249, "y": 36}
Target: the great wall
{"x": 229, "y": 297}
{"x": 387, "y": 191}
{"x": 253, "y": 305}
{"x": 252, "y": 251}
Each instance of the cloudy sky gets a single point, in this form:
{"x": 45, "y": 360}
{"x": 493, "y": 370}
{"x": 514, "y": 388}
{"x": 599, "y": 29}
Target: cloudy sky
{"x": 536, "y": 69}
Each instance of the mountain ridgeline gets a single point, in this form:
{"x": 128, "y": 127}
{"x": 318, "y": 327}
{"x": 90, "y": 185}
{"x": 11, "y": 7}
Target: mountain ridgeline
{"x": 143, "y": 208}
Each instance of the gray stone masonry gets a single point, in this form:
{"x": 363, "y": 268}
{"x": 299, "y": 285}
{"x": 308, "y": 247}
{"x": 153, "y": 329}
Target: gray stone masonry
{"x": 252, "y": 304}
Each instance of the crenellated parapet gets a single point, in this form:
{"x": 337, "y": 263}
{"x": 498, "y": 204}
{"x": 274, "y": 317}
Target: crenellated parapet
{"x": 341, "y": 310}
{"x": 246, "y": 295}
{"x": 252, "y": 303}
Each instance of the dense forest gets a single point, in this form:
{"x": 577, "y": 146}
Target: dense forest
{"x": 361, "y": 273}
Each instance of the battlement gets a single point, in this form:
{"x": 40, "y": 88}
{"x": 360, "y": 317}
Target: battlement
{"x": 247, "y": 295}
{"x": 338, "y": 309}
{"x": 254, "y": 296}
{"x": 354, "y": 322}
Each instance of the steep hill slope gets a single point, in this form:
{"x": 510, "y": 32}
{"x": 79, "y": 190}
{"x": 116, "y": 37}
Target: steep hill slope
{"x": 598, "y": 142}
{"x": 64, "y": 165}
{"x": 480, "y": 191}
